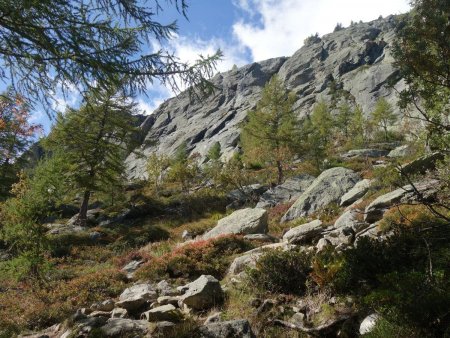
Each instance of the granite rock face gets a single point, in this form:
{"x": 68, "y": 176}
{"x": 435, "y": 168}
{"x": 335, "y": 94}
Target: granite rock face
{"x": 356, "y": 60}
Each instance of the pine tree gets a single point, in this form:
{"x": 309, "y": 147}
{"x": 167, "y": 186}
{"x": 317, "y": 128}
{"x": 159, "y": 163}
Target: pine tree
{"x": 271, "y": 133}
{"x": 343, "y": 118}
{"x": 96, "y": 140}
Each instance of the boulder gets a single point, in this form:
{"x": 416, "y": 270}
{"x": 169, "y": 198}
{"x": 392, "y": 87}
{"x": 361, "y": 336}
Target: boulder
{"x": 328, "y": 188}
{"x": 136, "y": 296}
{"x": 401, "y": 151}
{"x": 355, "y": 193}
{"x": 203, "y": 293}
{"x": 368, "y": 324}
{"x": 121, "y": 327}
{"x": 244, "y": 221}
{"x": 162, "y": 313}
{"x": 164, "y": 300}
{"x": 249, "y": 258}
{"x": 357, "y": 153}
{"x": 290, "y": 190}
{"x": 165, "y": 289}
{"x": 213, "y": 318}
{"x": 375, "y": 210}
{"x": 322, "y": 244}
{"x": 247, "y": 193}
{"x": 239, "y": 328}
{"x": 422, "y": 164}
{"x": 304, "y": 233}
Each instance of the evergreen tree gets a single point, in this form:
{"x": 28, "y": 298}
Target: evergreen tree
{"x": 214, "y": 152}
{"x": 343, "y": 119}
{"x": 271, "y": 133}
{"x": 358, "y": 128}
{"x": 95, "y": 139}
{"x": 74, "y": 43}
{"x": 383, "y": 116}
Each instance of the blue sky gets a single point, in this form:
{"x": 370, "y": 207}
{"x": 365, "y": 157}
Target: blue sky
{"x": 250, "y": 30}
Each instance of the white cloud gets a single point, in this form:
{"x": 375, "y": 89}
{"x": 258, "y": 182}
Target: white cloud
{"x": 284, "y": 24}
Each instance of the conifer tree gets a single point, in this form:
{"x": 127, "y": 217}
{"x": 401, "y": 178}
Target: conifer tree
{"x": 95, "y": 139}
{"x": 272, "y": 131}
{"x": 383, "y": 116}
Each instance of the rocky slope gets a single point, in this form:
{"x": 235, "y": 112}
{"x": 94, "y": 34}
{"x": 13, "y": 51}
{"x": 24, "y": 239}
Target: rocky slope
{"x": 356, "y": 59}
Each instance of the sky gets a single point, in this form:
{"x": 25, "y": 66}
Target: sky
{"x": 248, "y": 31}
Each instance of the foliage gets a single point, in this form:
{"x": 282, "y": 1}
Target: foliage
{"x": 281, "y": 272}
{"x": 96, "y": 138}
{"x": 73, "y": 44}
{"x": 343, "y": 119}
{"x": 358, "y": 128}
{"x": 16, "y": 133}
{"x": 214, "y": 152}
{"x": 383, "y": 116}
{"x": 184, "y": 171}
{"x": 210, "y": 257}
{"x": 271, "y": 133}
{"x": 421, "y": 54}
{"x": 156, "y": 164}
{"x": 21, "y": 216}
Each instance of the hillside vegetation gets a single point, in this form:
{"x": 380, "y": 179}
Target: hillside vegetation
{"x": 308, "y": 213}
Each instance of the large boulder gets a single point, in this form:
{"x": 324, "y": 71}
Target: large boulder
{"x": 328, "y": 188}
{"x": 355, "y": 193}
{"x": 401, "y": 151}
{"x": 375, "y": 210}
{"x": 290, "y": 190}
{"x": 244, "y": 221}
{"x": 239, "y": 328}
{"x": 422, "y": 164}
{"x": 304, "y": 233}
{"x": 368, "y": 324}
{"x": 203, "y": 293}
{"x": 134, "y": 297}
{"x": 247, "y": 193}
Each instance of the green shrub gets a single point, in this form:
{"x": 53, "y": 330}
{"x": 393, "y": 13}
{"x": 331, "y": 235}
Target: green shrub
{"x": 281, "y": 272}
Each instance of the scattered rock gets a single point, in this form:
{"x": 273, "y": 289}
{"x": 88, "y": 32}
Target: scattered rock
{"x": 107, "y": 305}
{"x": 131, "y": 268}
{"x": 261, "y": 238}
{"x": 162, "y": 313}
{"x": 244, "y": 221}
{"x": 246, "y": 194}
{"x": 368, "y": 324}
{"x": 304, "y": 233}
{"x": 165, "y": 289}
{"x": 355, "y": 193}
{"x": 231, "y": 329}
{"x": 106, "y": 314}
{"x": 203, "y": 293}
{"x": 119, "y": 313}
{"x": 291, "y": 189}
{"x": 186, "y": 235}
{"x": 213, "y": 318}
{"x": 136, "y": 296}
{"x": 164, "y": 300}
{"x": 357, "y": 153}
{"x": 121, "y": 327}
{"x": 328, "y": 188}
{"x": 322, "y": 244}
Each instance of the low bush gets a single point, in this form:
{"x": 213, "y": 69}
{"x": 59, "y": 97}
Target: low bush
{"x": 281, "y": 272}
{"x": 210, "y": 257}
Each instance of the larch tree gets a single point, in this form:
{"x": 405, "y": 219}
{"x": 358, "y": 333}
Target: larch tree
{"x": 383, "y": 116}
{"x": 95, "y": 140}
{"x": 272, "y": 131}
{"x": 64, "y": 44}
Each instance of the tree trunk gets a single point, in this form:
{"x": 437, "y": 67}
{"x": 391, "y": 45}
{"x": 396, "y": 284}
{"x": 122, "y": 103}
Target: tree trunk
{"x": 280, "y": 172}
{"x": 82, "y": 215}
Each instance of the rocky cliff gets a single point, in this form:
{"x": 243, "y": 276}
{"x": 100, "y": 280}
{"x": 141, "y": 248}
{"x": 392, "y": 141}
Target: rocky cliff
{"x": 357, "y": 61}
